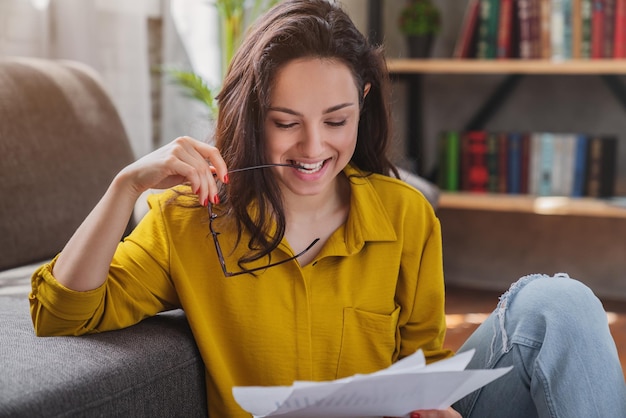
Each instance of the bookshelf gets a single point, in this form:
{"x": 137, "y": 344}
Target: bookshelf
{"x": 525, "y": 67}
{"x": 412, "y": 70}
{"x": 540, "y": 205}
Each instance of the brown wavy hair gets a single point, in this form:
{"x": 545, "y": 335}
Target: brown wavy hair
{"x": 290, "y": 30}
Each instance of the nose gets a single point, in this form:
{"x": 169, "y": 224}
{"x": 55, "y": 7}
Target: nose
{"x": 312, "y": 142}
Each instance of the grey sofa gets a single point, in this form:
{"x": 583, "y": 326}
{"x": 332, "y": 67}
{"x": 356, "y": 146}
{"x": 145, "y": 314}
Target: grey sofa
{"x": 61, "y": 142}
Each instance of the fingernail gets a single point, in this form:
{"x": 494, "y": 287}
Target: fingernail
{"x": 206, "y": 202}
{"x": 197, "y": 191}
{"x": 415, "y": 415}
{"x": 216, "y": 199}
{"x": 226, "y": 180}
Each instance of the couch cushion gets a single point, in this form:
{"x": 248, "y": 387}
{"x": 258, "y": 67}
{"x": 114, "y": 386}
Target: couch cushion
{"x": 152, "y": 369}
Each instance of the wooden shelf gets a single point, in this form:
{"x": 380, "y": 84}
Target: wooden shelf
{"x": 541, "y": 205}
{"x": 475, "y": 66}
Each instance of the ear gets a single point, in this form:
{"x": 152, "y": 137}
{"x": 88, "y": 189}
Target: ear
{"x": 366, "y": 89}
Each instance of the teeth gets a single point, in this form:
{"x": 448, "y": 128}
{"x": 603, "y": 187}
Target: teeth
{"x": 309, "y": 168}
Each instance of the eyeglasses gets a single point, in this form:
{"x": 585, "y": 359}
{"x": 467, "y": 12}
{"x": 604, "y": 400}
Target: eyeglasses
{"x": 214, "y": 233}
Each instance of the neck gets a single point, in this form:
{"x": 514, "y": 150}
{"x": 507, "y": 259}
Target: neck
{"x": 311, "y": 208}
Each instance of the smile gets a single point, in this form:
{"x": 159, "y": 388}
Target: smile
{"x": 309, "y": 168}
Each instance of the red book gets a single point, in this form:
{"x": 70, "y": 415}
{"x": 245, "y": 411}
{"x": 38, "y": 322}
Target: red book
{"x": 505, "y": 29}
{"x": 619, "y": 42}
{"x": 597, "y": 29}
{"x": 474, "y": 170}
{"x": 466, "y": 42}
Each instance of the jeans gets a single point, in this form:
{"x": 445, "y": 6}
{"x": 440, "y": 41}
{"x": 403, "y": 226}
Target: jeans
{"x": 555, "y": 334}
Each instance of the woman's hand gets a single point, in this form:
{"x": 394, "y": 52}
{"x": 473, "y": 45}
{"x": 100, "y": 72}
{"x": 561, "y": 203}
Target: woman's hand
{"x": 184, "y": 160}
{"x": 435, "y": 413}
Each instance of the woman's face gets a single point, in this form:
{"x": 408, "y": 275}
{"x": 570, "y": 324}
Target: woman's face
{"x": 312, "y": 121}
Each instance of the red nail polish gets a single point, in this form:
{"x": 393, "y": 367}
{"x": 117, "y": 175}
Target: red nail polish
{"x": 226, "y": 179}
{"x": 415, "y": 415}
{"x": 216, "y": 199}
{"x": 197, "y": 191}
{"x": 206, "y": 202}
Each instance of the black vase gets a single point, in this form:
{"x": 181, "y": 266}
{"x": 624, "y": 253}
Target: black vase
{"x": 420, "y": 46}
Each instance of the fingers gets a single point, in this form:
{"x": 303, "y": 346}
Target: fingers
{"x": 201, "y": 162}
{"x": 435, "y": 413}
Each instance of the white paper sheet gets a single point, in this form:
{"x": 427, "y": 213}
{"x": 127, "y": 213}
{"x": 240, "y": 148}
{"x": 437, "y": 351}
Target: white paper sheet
{"x": 405, "y": 386}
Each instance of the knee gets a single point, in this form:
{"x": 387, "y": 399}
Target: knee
{"x": 554, "y": 297}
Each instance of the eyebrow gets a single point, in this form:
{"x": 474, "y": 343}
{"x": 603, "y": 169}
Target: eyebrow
{"x": 326, "y": 111}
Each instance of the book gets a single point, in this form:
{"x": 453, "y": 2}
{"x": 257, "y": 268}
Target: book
{"x": 514, "y": 167}
{"x": 577, "y": 29}
{"x": 493, "y": 162}
{"x": 505, "y": 30}
{"x": 525, "y": 40}
{"x": 586, "y": 12}
{"x": 580, "y": 165}
{"x": 619, "y": 36}
{"x": 563, "y": 164}
{"x": 597, "y": 29}
{"x": 488, "y": 29}
{"x": 557, "y": 27}
{"x": 503, "y": 160}
{"x": 448, "y": 167}
{"x": 465, "y": 46}
{"x": 474, "y": 171}
{"x": 545, "y": 13}
{"x": 608, "y": 29}
{"x": 601, "y": 166}
{"x": 546, "y": 160}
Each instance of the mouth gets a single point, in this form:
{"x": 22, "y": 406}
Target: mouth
{"x": 308, "y": 168}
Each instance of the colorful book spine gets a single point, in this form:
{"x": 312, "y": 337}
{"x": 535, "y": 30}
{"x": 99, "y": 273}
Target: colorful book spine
{"x": 577, "y": 29}
{"x": 586, "y": 14}
{"x": 488, "y": 29}
{"x": 525, "y": 42}
{"x": 580, "y": 166}
{"x": 505, "y": 30}
{"x": 546, "y": 159}
{"x": 492, "y": 162}
{"x": 514, "y": 172}
{"x": 601, "y": 166}
{"x": 619, "y": 40}
{"x": 448, "y": 170}
{"x": 466, "y": 43}
{"x": 557, "y": 30}
{"x": 474, "y": 171}
{"x": 597, "y": 29}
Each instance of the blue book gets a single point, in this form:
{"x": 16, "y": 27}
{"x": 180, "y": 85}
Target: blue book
{"x": 580, "y": 166}
{"x": 546, "y": 165}
{"x": 514, "y": 174}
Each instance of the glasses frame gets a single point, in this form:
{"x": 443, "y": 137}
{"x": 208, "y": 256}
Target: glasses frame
{"x": 214, "y": 233}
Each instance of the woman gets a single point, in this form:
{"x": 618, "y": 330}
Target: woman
{"x": 297, "y": 257}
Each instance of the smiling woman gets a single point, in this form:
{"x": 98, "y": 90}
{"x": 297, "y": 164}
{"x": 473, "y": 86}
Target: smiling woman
{"x": 307, "y": 97}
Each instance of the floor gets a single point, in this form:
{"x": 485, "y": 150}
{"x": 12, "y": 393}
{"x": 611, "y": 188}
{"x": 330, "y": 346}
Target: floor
{"x": 467, "y": 308}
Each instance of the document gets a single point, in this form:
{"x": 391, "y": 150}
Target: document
{"x": 405, "y": 386}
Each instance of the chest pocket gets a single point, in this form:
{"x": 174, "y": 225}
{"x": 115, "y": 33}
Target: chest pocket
{"x": 368, "y": 341}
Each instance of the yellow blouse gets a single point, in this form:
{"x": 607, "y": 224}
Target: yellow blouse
{"x": 373, "y": 295}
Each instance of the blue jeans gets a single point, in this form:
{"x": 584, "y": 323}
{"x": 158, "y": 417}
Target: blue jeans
{"x": 555, "y": 333}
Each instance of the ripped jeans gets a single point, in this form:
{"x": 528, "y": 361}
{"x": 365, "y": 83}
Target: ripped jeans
{"x": 554, "y": 332}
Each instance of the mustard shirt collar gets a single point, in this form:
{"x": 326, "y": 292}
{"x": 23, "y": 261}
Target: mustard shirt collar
{"x": 368, "y": 219}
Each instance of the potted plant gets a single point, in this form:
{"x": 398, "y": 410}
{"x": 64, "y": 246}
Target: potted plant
{"x": 420, "y": 21}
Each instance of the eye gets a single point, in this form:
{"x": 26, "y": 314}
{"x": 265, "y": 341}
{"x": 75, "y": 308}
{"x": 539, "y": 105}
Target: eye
{"x": 336, "y": 124}
{"x": 280, "y": 125}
